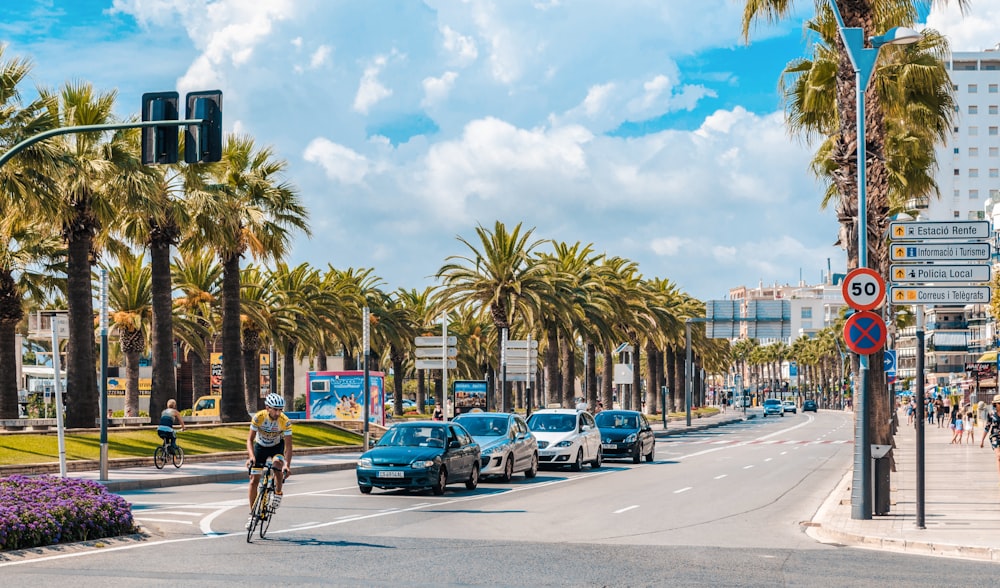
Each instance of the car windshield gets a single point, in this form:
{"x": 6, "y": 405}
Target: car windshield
{"x": 552, "y": 422}
{"x": 484, "y": 426}
{"x": 610, "y": 420}
{"x": 772, "y": 401}
{"x": 413, "y": 436}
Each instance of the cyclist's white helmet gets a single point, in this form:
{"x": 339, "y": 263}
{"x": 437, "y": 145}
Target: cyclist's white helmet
{"x": 274, "y": 401}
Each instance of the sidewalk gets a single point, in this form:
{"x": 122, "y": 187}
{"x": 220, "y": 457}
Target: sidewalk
{"x": 961, "y": 502}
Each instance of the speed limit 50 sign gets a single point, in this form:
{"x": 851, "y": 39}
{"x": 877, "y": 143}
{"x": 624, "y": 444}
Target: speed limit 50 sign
{"x": 864, "y": 289}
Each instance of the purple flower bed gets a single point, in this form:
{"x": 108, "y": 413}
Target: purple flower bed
{"x": 46, "y": 510}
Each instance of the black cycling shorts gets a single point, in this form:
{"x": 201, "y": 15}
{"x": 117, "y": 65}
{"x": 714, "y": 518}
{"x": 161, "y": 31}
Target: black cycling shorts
{"x": 261, "y": 453}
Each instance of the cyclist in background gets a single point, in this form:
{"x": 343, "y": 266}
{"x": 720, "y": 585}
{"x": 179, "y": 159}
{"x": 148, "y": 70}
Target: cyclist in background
{"x": 168, "y": 418}
{"x": 270, "y": 436}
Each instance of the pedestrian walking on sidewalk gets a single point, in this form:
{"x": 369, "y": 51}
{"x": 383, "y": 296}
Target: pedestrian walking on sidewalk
{"x": 970, "y": 424}
{"x": 993, "y": 430}
{"x": 930, "y": 410}
{"x": 956, "y": 426}
{"x": 939, "y": 411}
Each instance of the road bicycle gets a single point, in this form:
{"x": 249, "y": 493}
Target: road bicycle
{"x": 263, "y": 509}
{"x": 168, "y": 451}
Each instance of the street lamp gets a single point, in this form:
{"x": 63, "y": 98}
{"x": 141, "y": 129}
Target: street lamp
{"x": 863, "y": 60}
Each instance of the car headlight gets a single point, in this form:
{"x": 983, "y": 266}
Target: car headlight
{"x": 631, "y": 438}
{"x": 566, "y": 443}
{"x": 495, "y": 449}
{"x": 365, "y": 462}
{"x": 422, "y": 464}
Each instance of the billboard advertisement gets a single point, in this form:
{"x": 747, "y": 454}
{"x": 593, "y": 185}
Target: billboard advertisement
{"x": 339, "y": 396}
{"x": 470, "y": 395}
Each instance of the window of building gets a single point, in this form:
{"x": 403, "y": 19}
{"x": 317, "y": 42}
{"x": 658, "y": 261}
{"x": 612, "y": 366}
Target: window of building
{"x": 956, "y": 214}
{"x": 994, "y": 193}
{"x": 954, "y": 87}
{"x": 994, "y": 109}
{"x": 973, "y": 151}
{"x": 994, "y": 88}
{"x": 956, "y": 193}
{"x": 955, "y": 151}
{"x": 973, "y": 194}
{"x": 973, "y": 172}
{"x": 807, "y": 312}
{"x": 993, "y": 131}
{"x": 956, "y": 171}
{"x": 973, "y": 88}
{"x": 973, "y": 131}
{"x": 994, "y": 151}
{"x": 994, "y": 172}
{"x": 973, "y": 109}
{"x": 955, "y": 130}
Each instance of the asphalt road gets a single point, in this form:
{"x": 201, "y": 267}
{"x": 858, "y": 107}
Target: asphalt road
{"x": 723, "y": 507}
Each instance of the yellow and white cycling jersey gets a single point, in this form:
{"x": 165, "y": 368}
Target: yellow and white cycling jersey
{"x": 270, "y": 432}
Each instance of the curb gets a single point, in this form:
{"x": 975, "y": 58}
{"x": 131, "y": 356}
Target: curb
{"x": 241, "y": 474}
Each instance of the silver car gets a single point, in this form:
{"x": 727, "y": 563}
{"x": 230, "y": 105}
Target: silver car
{"x": 506, "y": 445}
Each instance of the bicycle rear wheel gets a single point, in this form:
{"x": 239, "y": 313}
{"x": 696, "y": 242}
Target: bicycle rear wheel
{"x": 178, "y": 457}
{"x": 160, "y": 457}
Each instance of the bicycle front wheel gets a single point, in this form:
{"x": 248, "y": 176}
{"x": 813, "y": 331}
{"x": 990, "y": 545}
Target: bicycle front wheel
{"x": 178, "y": 457}
{"x": 258, "y": 508}
{"x": 160, "y": 457}
{"x": 265, "y": 515}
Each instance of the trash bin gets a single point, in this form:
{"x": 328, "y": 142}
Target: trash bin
{"x": 880, "y": 479}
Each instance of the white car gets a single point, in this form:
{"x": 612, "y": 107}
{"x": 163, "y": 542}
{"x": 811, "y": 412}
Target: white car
{"x": 505, "y": 443}
{"x": 566, "y": 436}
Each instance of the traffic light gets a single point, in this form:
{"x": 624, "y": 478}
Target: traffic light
{"x": 159, "y": 144}
{"x": 203, "y": 143}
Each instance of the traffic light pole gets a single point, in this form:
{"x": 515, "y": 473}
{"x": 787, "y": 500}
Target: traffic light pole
{"x": 93, "y": 128}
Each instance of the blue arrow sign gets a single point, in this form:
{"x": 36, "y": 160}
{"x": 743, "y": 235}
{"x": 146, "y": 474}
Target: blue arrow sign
{"x": 889, "y": 361}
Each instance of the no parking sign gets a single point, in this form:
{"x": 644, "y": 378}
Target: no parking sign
{"x": 864, "y": 332}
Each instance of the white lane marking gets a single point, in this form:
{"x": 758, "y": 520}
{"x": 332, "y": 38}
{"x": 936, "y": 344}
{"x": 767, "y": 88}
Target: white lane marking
{"x": 768, "y": 459}
{"x": 682, "y": 490}
{"x": 719, "y": 477}
{"x": 627, "y": 508}
{"x": 747, "y": 467}
{"x": 783, "y": 453}
{"x": 164, "y": 521}
{"x": 304, "y": 524}
{"x": 177, "y": 512}
{"x": 206, "y": 523}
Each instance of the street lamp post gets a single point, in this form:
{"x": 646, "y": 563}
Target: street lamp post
{"x": 863, "y": 61}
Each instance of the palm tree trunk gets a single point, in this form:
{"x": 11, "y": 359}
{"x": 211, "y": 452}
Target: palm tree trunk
{"x": 680, "y": 380}
{"x": 164, "y": 382}
{"x": 132, "y": 384}
{"x": 552, "y": 383}
{"x": 11, "y": 313}
{"x": 591, "y": 376}
{"x": 568, "y": 375}
{"x": 288, "y": 374}
{"x": 607, "y": 385}
{"x": 201, "y": 382}
{"x": 81, "y": 385}
{"x": 233, "y": 404}
{"x": 251, "y": 374}
{"x": 422, "y": 390}
{"x": 669, "y": 361}
{"x": 651, "y": 377}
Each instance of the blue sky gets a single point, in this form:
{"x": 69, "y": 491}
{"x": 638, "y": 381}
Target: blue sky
{"x": 647, "y": 128}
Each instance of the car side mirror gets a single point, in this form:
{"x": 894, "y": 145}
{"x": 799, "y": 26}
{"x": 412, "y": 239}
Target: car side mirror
{"x": 453, "y": 444}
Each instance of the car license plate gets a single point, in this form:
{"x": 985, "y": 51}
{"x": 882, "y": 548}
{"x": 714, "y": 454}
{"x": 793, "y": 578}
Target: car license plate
{"x": 390, "y": 474}
{"x": 609, "y": 446}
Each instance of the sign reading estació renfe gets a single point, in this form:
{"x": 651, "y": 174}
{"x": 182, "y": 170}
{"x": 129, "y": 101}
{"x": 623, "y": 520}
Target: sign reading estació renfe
{"x": 921, "y": 230}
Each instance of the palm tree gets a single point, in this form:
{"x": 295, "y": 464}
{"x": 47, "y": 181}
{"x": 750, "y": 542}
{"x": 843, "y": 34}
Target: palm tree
{"x": 393, "y": 329}
{"x": 31, "y": 261}
{"x": 248, "y": 208}
{"x": 130, "y": 299}
{"x": 93, "y": 186}
{"x": 501, "y": 278}
{"x": 198, "y": 278}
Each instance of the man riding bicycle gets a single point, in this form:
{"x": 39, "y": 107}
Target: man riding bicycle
{"x": 168, "y": 418}
{"x": 270, "y": 436}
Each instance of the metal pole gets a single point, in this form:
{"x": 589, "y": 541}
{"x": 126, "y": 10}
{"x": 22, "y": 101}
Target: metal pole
{"x": 688, "y": 372}
{"x": 503, "y": 370}
{"x": 365, "y": 330}
{"x": 59, "y": 399}
{"x": 527, "y": 389}
{"x": 444, "y": 366}
{"x": 920, "y": 417}
{"x": 104, "y": 374}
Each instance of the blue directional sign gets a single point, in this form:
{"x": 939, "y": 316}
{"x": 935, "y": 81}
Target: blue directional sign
{"x": 889, "y": 365}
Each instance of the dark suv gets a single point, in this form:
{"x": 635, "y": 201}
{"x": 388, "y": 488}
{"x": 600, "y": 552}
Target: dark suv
{"x": 809, "y": 405}
{"x": 773, "y": 406}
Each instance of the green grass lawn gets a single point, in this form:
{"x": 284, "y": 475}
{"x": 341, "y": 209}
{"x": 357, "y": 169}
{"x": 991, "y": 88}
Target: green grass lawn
{"x": 44, "y": 448}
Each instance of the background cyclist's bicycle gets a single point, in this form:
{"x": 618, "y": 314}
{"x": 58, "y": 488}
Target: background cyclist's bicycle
{"x": 263, "y": 507}
{"x": 166, "y": 452}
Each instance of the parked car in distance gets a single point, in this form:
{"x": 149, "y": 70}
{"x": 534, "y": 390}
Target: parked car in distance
{"x": 506, "y": 446}
{"x": 773, "y": 406}
{"x": 566, "y": 436}
{"x": 420, "y": 454}
{"x": 625, "y": 433}
{"x": 809, "y": 405}
{"x": 789, "y": 406}
{"x": 407, "y": 405}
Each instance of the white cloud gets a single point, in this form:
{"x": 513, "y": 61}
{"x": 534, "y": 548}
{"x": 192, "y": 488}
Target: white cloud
{"x": 436, "y": 89}
{"x": 370, "y": 89}
{"x": 668, "y": 246}
{"x": 340, "y": 163}
{"x": 320, "y": 56}
{"x": 462, "y": 47}
{"x": 975, "y": 31}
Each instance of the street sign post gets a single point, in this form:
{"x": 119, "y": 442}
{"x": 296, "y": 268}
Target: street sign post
{"x": 889, "y": 365}
{"x": 924, "y": 230}
{"x": 933, "y": 272}
{"x": 863, "y": 289}
{"x": 968, "y": 251}
{"x": 900, "y": 295}
{"x": 864, "y": 332}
